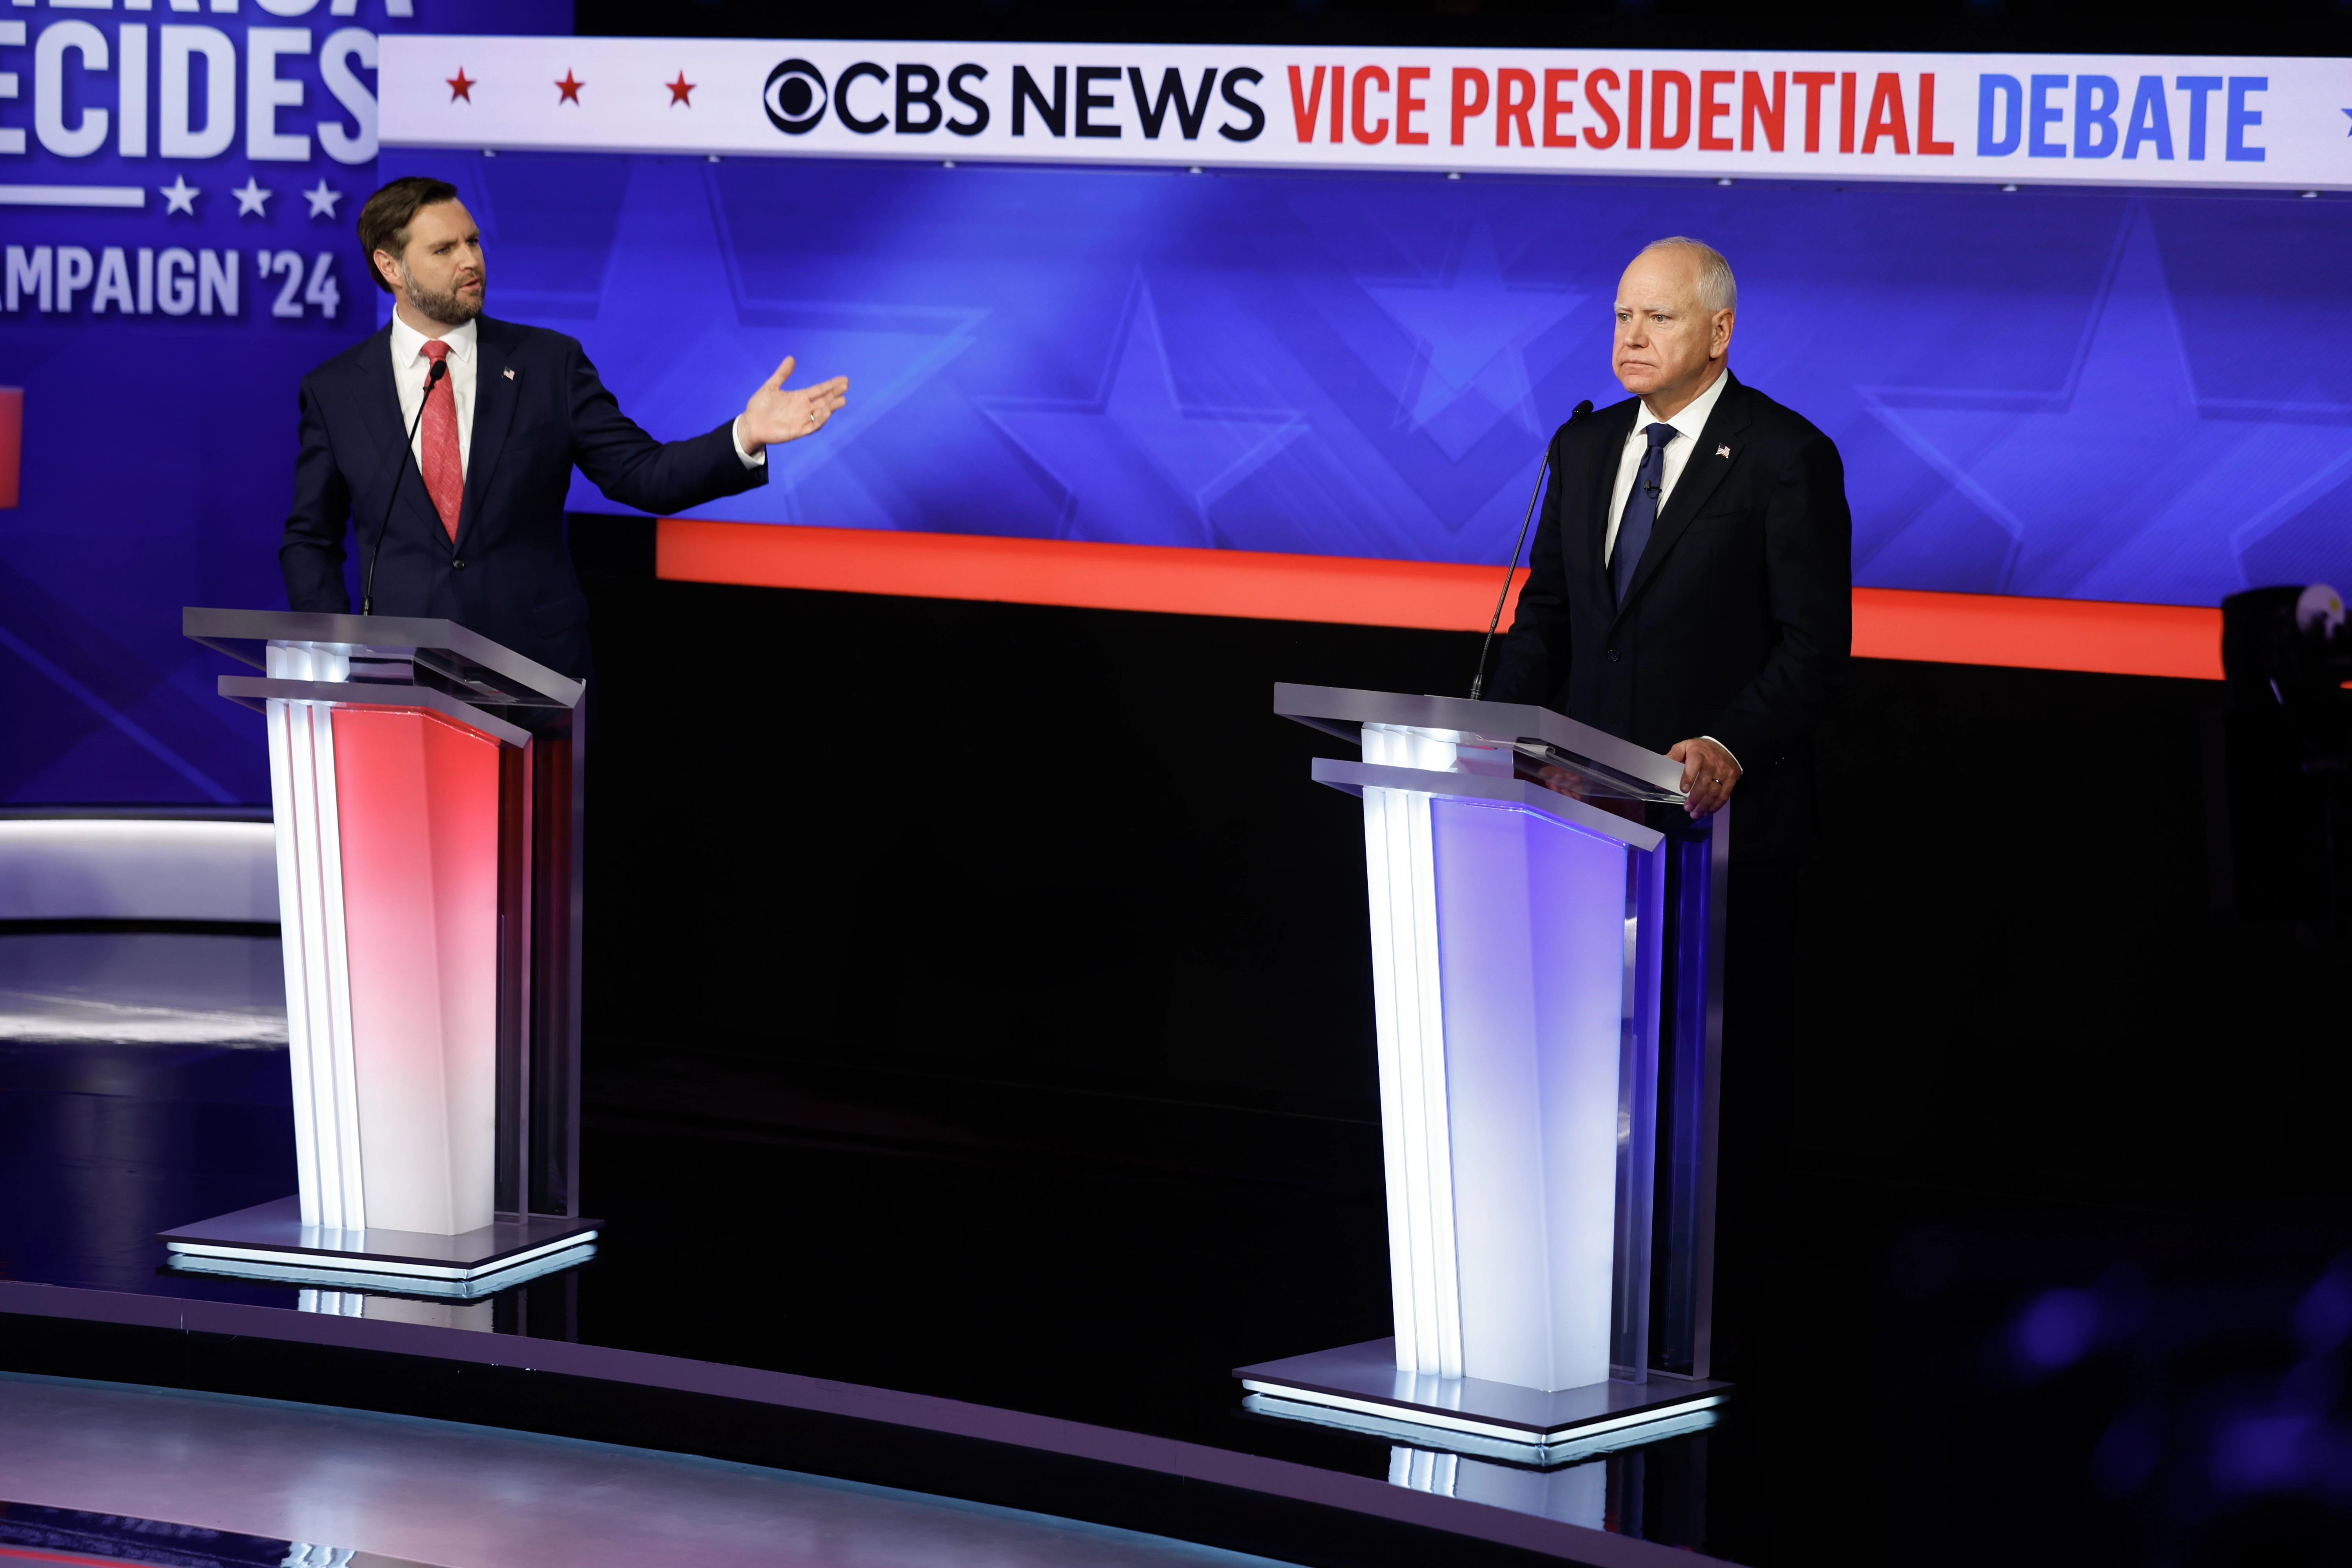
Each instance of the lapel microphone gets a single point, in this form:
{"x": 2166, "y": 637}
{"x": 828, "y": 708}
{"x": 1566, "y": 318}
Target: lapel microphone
{"x": 367, "y": 589}
{"x": 1478, "y": 683}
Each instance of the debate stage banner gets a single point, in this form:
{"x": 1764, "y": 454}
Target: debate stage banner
{"x": 2216, "y": 122}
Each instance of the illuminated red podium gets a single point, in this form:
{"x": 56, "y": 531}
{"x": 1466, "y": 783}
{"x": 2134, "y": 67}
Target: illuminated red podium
{"x": 426, "y": 788}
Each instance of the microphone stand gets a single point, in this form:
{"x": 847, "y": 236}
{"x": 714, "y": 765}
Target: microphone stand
{"x": 1478, "y": 682}
{"x": 407, "y": 447}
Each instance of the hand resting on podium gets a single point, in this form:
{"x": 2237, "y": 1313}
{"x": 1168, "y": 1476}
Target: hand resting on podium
{"x": 1709, "y": 774}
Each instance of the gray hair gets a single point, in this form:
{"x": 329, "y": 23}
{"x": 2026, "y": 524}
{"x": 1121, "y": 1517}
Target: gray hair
{"x": 1717, "y": 289}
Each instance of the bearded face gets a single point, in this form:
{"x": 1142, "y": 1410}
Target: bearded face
{"x": 454, "y": 306}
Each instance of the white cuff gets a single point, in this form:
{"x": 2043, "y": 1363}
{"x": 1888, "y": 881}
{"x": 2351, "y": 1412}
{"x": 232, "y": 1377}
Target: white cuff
{"x": 1726, "y": 752}
{"x": 758, "y": 460}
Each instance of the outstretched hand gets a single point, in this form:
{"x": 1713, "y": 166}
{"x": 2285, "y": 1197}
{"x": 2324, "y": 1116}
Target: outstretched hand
{"x": 777, "y": 413}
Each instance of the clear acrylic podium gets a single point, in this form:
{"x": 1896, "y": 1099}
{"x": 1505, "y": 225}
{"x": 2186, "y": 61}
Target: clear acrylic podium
{"x": 427, "y": 786}
{"x": 1545, "y": 925}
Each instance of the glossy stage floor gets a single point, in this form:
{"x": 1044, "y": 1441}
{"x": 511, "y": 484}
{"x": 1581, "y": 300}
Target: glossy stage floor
{"x": 943, "y": 1321}
{"x": 275, "y": 1482}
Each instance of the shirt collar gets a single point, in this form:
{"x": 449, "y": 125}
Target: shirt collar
{"x": 408, "y": 344}
{"x": 1693, "y": 418}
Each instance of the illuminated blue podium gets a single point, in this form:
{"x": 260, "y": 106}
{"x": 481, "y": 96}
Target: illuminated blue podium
{"x": 1546, "y": 973}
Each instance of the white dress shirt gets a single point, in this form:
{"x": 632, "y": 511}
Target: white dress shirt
{"x": 1687, "y": 425}
{"x": 410, "y": 367}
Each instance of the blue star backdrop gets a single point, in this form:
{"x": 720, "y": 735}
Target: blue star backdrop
{"x": 2141, "y": 395}
{"x": 2109, "y": 396}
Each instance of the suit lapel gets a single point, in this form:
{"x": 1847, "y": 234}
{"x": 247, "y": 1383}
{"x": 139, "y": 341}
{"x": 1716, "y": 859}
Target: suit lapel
{"x": 379, "y": 392}
{"x": 495, "y": 382}
{"x": 1716, "y": 449}
{"x": 1610, "y": 451}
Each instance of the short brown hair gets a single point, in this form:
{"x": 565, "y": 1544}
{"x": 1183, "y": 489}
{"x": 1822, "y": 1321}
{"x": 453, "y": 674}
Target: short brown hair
{"x": 385, "y": 220}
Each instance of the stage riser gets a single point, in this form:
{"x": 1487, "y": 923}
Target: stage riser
{"x": 1170, "y": 1501}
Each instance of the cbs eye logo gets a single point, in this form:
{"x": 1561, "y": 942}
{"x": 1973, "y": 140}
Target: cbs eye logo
{"x": 794, "y": 98}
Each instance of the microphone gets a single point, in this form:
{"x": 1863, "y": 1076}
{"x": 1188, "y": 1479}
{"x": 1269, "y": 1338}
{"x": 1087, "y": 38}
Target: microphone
{"x": 1478, "y": 684}
{"x": 367, "y": 589}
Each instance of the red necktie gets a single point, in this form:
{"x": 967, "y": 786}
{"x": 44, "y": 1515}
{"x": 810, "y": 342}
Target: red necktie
{"x": 444, "y": 471}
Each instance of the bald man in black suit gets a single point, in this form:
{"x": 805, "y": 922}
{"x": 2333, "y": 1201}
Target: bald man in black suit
{"x": 1691, "y": 592}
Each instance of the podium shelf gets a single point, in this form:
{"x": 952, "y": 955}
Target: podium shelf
{"x": 270, "y": 1241}
{"x": 1361, "y": 1387}
{"x": 440, "y": 655}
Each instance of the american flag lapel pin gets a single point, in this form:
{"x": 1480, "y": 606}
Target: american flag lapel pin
{"x": 1719, "y": 451}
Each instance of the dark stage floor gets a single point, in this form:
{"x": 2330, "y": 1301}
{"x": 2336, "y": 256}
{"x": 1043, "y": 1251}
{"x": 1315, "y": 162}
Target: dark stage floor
{"x": 1947, "y": 1377}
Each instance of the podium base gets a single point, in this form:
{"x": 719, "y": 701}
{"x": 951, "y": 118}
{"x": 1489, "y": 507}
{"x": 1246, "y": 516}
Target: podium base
{"x": 1359, "y": 1388}
{"x": 270, "y": 1241}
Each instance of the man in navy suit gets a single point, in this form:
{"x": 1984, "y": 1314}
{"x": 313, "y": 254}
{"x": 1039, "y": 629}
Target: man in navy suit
{"x": 1691, "y": 592}
{"x": 502, "y": 414}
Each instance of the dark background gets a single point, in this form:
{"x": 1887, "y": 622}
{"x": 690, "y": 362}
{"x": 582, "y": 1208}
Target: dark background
{"x": 1017, "y": 844}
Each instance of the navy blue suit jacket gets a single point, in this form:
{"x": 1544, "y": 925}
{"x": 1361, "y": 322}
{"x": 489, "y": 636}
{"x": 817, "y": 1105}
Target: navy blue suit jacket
{"x": 539, "y": 409}
{"x": 1738, "y": 621}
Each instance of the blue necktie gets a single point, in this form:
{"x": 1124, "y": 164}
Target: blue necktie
{"x": 1641, "y": 509}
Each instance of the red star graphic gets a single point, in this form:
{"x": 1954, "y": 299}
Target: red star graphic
{"x": 680, "y": 89}
{"x": 570, "y": 89}
{"x": 462, "y": 86}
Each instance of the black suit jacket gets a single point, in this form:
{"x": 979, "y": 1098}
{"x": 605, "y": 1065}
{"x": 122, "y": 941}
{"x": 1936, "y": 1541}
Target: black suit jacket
{"x": 1738, "y": 618}
{"x": 539, "y": 409}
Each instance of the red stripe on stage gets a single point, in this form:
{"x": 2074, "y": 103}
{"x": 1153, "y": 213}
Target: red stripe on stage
{"x": 1888, "y": 623}
{"x": 1168, "y": 578}
{"x": 2180, "y": 640}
